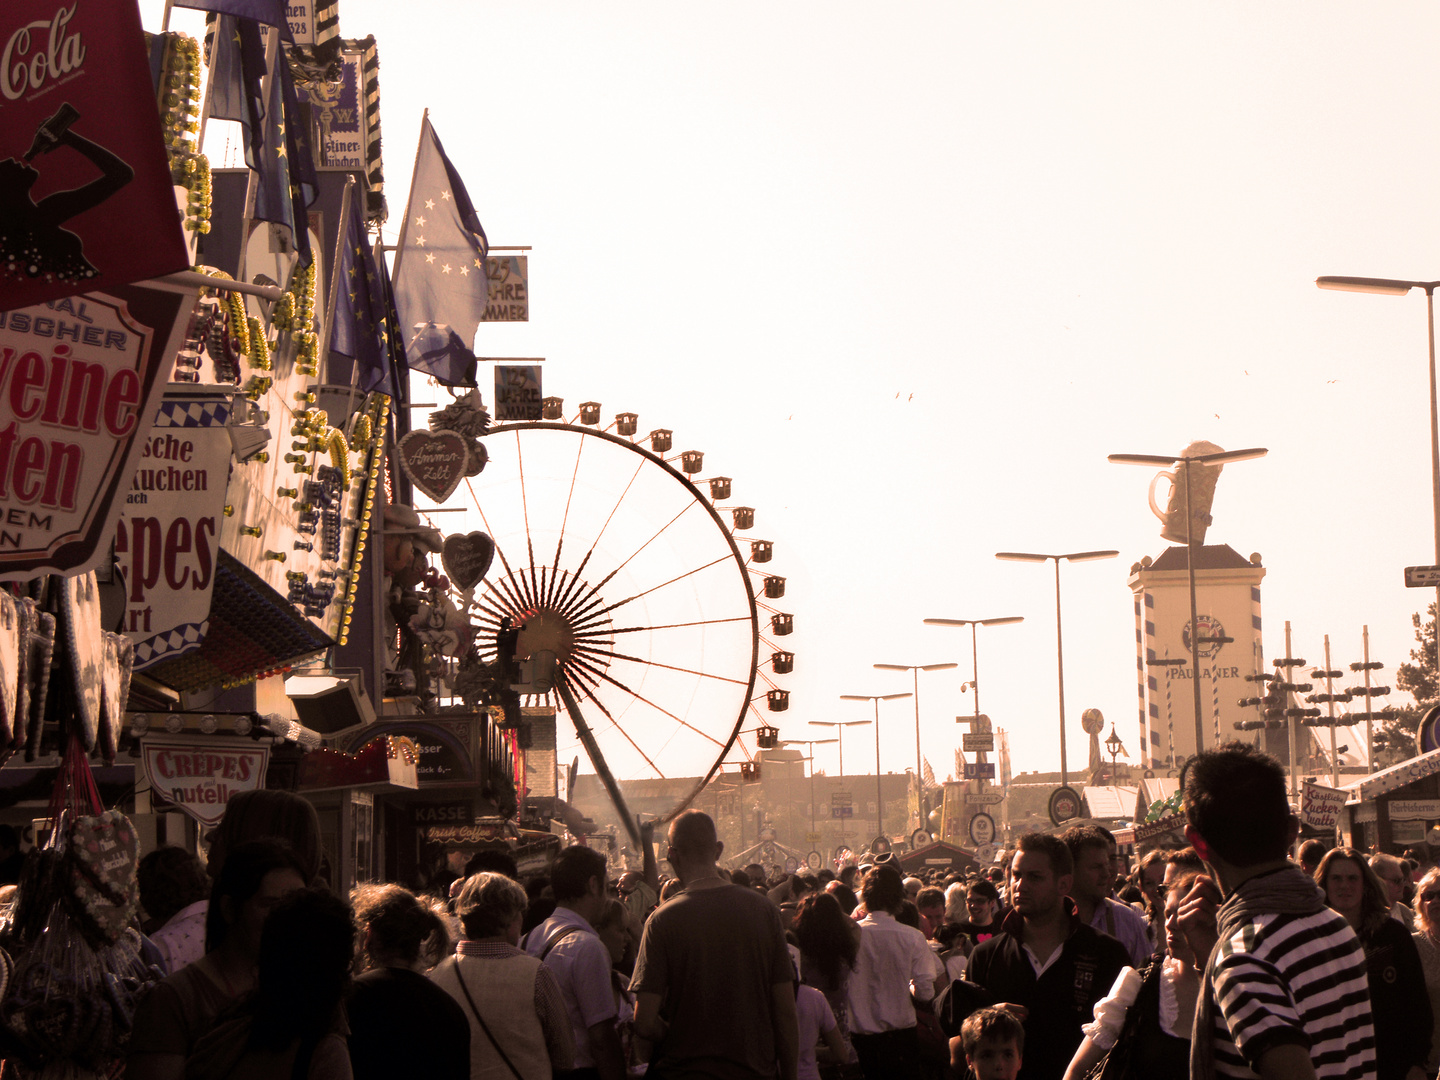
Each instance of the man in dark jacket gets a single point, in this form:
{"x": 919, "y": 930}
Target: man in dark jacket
{"x": 1045, "y": 959}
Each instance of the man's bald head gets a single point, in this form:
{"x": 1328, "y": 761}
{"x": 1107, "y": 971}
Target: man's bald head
{"x": 694, "y": 847}
{"x": 692, "y": 835}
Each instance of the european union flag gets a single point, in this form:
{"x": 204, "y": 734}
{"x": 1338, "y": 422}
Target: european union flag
{"x": 358, "y": 330}
{"x": 287, "y": 183}
{"x": 237, "y": 72}
{"x": 269, "y": 12}
{"x": 440, "y": 283}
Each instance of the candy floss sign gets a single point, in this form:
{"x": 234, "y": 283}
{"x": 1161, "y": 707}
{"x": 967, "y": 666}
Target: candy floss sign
{"x": 201, "y": 775}
{"x": 1320, "y": 805}
{"x": 79, "y": 385}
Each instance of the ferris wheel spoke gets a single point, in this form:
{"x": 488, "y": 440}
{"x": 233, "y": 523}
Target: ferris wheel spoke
{"x": 678, "y": 625}
{"x": 525, "y": 508}
{"x": 658, "y": 707}
{"x": 673, "y": 667}
{"x": 634, "y": 554}
{"x": 626, "y": 735}
{"x": 569, "y": 498}
{"x": 654, "y": 588}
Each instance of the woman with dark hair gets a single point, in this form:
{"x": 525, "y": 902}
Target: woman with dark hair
{"x": 829, "y": 943}
{"x": 1399, "y": 1002}
{"x": 292, "y": 1024}
{"x": 1147, "y": 1017}
{"x": 268, "y": 814}
{"x": 171, "y": 1018}
{"x": 396, "y": 931}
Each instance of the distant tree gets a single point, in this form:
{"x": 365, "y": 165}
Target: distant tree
{"x": 1396, "y": 733}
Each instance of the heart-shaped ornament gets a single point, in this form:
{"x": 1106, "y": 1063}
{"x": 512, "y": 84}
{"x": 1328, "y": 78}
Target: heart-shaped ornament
{"x": 104, "y": 853}
{"x": 467, "y": 558}
{"x": 435, "y": 461}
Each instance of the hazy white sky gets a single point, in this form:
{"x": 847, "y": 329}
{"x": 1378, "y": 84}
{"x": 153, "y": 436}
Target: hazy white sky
{"x": 909, "y": 272}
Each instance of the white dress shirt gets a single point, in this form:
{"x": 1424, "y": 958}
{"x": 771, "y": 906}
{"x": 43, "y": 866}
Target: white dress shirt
{"x": 893, "y": 958}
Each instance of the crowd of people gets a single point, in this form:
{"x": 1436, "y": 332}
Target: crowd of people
{"x": 1221, "y": 958}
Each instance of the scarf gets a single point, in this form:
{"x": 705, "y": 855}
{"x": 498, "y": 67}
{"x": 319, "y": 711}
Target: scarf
{"x": 1286, "y": 891}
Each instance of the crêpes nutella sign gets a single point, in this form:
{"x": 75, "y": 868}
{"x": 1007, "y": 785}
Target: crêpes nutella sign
{"x": 201, "y": 775}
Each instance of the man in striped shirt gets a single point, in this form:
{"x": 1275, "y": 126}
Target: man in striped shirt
{"x": 1285, "y": 994}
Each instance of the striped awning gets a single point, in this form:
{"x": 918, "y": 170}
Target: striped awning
{"x": 1394, "y": 778}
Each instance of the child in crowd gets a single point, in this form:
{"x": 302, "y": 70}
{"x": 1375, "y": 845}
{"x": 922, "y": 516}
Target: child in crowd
{"x": 992, "y": 1042}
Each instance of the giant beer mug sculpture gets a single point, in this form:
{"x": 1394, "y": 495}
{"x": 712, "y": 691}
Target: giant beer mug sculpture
{"x": 1175, "y": 525}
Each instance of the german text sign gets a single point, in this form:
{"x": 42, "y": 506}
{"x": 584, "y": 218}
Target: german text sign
{"x": 80, "y": 380}
{"x": 1320, "y": 805}
{"x": 201, "y": 775}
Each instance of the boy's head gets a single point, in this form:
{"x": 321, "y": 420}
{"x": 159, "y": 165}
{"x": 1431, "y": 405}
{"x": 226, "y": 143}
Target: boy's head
{"x": 993, "y": 1042}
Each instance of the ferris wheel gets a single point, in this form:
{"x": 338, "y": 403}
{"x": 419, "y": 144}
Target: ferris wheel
{"x": 634, "y": 578}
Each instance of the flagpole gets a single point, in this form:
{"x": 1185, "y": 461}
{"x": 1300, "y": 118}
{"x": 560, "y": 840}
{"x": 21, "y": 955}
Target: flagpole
{"x": 335, "y": 283}
{"x": 409, "y": 199}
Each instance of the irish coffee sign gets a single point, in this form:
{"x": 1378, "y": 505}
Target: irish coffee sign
{"x": 80, "y": 380}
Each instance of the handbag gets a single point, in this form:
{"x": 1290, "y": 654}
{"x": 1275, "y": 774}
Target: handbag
{"x": 1116, "y": 1064}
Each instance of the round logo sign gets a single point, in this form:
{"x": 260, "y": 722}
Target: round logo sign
{"x": 1210, "y": 630}
{"x": 982, "y": 829}
{"x": 813, "y": 860}
{"x": 920, "y": 838}
{"x": 1064, "y": 805}
{"x": 985, "y": 854}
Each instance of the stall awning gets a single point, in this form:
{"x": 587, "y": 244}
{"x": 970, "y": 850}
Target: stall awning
{"x": 385, "y": 763}
{"x": 1110, "y": 802}
{"x": 1158, "y": 789}
{"x": 1394, "y": 778}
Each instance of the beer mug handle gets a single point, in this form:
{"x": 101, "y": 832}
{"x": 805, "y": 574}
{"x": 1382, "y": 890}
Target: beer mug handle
{"x": 1154, "y": 506}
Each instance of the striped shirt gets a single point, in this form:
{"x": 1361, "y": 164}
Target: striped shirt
{"x": 1294, "y": 979}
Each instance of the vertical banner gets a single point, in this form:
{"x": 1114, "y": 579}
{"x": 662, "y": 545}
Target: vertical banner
{"x": 168, "y": 537}
{"x": 84, "y": 178}
{"x": 340, "y": 109}
{"x": 540, "y": 778}
{"x": 508, "y": 296}
{"x": 517, "y": 392}
{"x": 80, "y": 380}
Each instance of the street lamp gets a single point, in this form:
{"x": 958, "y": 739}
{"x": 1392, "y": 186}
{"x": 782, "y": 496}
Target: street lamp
{"x": 839, "y": 726}
{"x": 974, "y": 651}
{"x": 1073, "y": 556}
{"x": 1184, "y": 464}
{"x": 879, "y": 795}
{"x": 810, "y": 745}
{"x": 916, "y": 669}
{"x": 1115, "y": 748}
{"x": 1391, "y": 287}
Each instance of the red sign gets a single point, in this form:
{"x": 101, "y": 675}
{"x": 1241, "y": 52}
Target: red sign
{"x": 201, "y": 775}
{"x": 86, "y": 198}
{"x": 80, "y": 380}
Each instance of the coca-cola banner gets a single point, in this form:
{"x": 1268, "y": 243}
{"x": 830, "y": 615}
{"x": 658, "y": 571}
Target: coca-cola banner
{"x": 168, "y": 537}
{"x": 80, "y": 381}
{"x": 86, "y": 198}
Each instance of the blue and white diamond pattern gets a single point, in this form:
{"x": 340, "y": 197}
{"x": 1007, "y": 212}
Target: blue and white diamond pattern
{"x": 172, "y": 643}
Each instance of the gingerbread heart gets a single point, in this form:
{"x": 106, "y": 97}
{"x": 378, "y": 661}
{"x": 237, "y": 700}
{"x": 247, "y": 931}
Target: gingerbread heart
{"x": 104, "y": 853}
{"x": 467, "y": 558}
{"x": 434, "y": 461}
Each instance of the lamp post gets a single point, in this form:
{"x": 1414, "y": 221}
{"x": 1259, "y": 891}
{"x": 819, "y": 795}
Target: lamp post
{"x": 1184, "y": 464}
{"x": 974, "y": 650}
{"x": 916, "y": 669}
{"x": 839, "y": 726}
{"x": 1072, "y": 556}
{"x": 879, "y": 794}
{"x": 810, "y": 745}
{"x": 1115, "y": 748}
{"x": 1393, "y": 287}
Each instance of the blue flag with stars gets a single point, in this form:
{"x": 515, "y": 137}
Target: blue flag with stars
{"x": 440, "y": 283}
{"x": 287, "y": 182}
{"x": 237, "y": 72}
{"x": 359, "y": 331}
